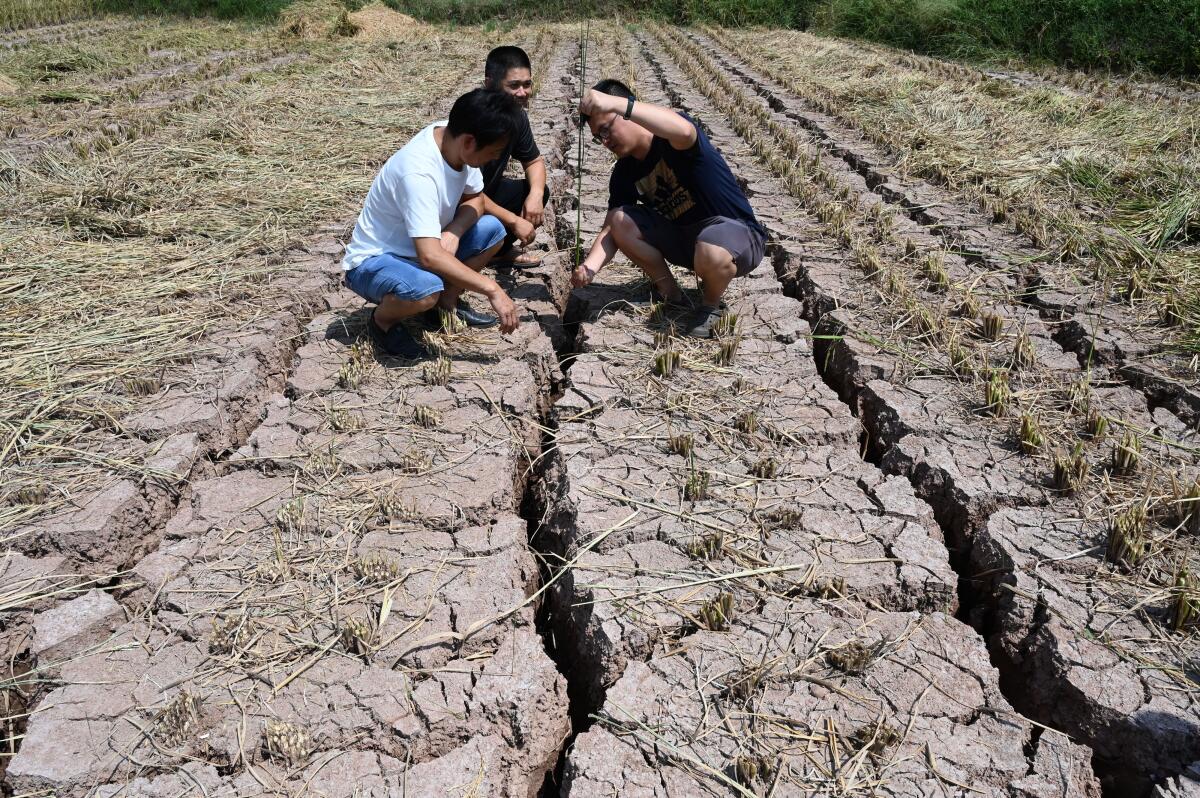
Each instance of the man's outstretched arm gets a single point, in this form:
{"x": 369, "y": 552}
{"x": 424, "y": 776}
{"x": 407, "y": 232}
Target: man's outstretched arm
{"x": 518, "y": 226}
{"x": 434, "y": 258}
{"x": 533, "y": 209}
{"x": 470, "y": 209}
{"x": 662, "y": 122}
{"x": 603, "y": 250}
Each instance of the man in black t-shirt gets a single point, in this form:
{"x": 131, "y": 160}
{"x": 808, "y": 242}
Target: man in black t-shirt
{"x": 671, "y": 199}
{"x": 519, "y": 204}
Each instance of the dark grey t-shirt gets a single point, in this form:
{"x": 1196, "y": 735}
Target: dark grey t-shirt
{"x": 521, "y": 146}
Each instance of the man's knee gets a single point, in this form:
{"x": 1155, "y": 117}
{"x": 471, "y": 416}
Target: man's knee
{"x": 623, "y": 227}
{"x": 713, "y": 259}
{"x": 391, "y": 302}
{"x": 491, "y": 229}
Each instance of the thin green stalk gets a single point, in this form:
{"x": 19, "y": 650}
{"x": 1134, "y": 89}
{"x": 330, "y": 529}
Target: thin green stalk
{"x": 584, "y": 34}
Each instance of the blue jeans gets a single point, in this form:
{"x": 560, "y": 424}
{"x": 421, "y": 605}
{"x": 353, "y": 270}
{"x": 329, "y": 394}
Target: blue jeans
{"x": 380, "y": 275}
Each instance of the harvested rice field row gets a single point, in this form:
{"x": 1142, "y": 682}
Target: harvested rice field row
{"x": 1102, "y": 189}
{"x": 23, "y": 15}
{"x": 58, "y": 34}
{"x": 176, "y": 331}
{"x": 749, "y": 605}
{"x": 885, "y": 534}
{"x": 996, "y": 263}
{"x": 295, "y": 570}
{"x": 1046, "y": 592}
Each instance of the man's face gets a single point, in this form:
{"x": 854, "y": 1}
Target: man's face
{"x": 518, "y": 84}
{"x": 613, "y": 132}
{"x": 478, "y": 156}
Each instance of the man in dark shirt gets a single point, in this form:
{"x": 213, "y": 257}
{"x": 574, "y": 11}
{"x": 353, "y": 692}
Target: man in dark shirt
{"x": 519, "y": 204}
{"x": 671, "y": 198}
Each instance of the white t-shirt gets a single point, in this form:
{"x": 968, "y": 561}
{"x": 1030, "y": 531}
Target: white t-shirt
{"x": 415, "y": 195}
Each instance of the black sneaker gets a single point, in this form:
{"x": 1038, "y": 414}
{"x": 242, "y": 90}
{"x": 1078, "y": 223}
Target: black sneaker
{"x": 702, "y": 321}
{"x": 474, "y": 318}
{"x": 397, "y": 341}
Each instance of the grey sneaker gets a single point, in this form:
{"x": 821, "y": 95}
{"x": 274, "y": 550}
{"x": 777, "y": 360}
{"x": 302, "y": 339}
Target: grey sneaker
{"x": 700, "y": 324}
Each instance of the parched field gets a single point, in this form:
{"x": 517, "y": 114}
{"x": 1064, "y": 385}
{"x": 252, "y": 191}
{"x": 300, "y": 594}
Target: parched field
{"x": 921, "y": 521}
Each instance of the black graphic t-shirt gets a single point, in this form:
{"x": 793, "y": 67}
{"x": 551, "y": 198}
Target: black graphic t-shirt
{"x": 520, "y": 146}
{"x": 684, "y": 186}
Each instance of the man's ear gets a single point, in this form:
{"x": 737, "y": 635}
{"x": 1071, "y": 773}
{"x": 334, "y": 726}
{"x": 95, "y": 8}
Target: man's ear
{"x": 468, "y": 142}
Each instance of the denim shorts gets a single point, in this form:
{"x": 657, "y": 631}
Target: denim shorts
{"x": 380, "y": 275}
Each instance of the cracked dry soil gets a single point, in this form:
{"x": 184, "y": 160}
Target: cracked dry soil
{"x": 790, "y": 569}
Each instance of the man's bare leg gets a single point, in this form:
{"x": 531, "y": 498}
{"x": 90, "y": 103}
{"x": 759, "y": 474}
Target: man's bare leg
{"x": 715, "y": 269}
{"x": 631, "y": 243}
{"x": 392, "y": 309}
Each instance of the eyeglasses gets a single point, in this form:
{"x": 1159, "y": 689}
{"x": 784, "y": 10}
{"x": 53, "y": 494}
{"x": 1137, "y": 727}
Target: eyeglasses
{"x": 513, "y": 85}
{"x": 602, "y": 133}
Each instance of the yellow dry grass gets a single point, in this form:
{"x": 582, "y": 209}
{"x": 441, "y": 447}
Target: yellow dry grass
{"x": 152, "y": 232}
{"x": 7, "y": 87}
{"x": 316, "y": 19}
{"x": 377, "y": 23}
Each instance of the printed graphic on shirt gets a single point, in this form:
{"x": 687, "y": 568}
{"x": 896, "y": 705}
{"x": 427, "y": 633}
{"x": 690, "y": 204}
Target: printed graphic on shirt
{"x": 661, "y": 190}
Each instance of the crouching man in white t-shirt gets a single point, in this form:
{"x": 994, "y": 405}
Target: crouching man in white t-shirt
{"x": 422, "y": 237}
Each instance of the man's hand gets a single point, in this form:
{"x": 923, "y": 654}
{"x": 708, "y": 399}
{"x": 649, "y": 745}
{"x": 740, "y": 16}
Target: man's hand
{"x": 533, "y": 210}
{"x": 595, "y": 102}
{"x": 523, "y": 230}
{"x": 450, "y": 242}
{"x": 583, "y": 276}
{"x": 506, "y": 311}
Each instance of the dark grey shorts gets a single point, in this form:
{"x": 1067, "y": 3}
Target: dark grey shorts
{"x": 677, "y": 243}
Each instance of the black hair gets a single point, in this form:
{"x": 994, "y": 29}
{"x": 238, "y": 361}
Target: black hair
{"x": 488, "y": 115}
{"x": 614, "y": 87}
{"x": 500, "y": 60}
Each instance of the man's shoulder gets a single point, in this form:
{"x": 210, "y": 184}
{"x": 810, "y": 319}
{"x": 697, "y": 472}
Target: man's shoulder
{"x": 419, "y": 156}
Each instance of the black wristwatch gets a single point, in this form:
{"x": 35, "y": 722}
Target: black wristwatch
{"x": 629, "y": 109}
